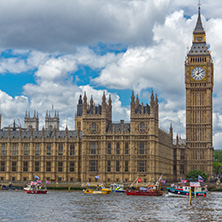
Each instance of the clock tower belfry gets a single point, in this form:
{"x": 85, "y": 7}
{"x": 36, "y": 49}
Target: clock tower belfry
{"x": 199, "y": 83}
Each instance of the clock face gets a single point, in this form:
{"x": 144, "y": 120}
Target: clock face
{"x": 198, "y": 73}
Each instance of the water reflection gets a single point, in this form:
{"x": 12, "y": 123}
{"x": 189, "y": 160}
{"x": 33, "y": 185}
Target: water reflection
{"x": 76, "y": 206}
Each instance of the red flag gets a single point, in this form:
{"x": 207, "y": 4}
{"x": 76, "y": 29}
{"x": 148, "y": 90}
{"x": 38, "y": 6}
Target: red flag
{"x": 139, "y": 180}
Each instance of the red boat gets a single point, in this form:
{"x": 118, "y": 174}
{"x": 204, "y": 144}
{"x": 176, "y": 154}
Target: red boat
{"x": 35, "y": 188}
{"x": 145, "y": 191}
{"x": 148, "y": 190}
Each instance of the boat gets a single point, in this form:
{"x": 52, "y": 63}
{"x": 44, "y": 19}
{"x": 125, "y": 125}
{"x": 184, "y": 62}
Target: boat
{"x": 117, "y": 188}
{"x": 100, "y": 189}
{"x": 35, "y": 188}
{"x": 148, "y": 190}
{"x": 182, "y": 190}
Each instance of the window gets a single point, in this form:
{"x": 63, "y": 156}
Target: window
{"x": 36, "y": 166}
{"x": 181, "y": 169}
{"x": 2, "y": 178}
{"x": 72, "y": 150}
{"x": 37, "y": 150}
{"x": 14, "y": 150}
{"x": 93, "y": 148}
{"x": 174, "y": 169}
{"x": 48, "y": 151}
{"x": 182, "y": 154}
{"x": 108, "y": 166}
{"x": 195, "y": 154}
{"x": 126, "y": 166}
{"x": 109, "y": 148}
{"x": 174, "y": 154}
{"x": 2, "y": 166}
{"x": 14, "y": 166}
{"x": 142, "y": 165}
{"x": 48, "y": 166}
{"x": 117, "y": 166}
{"x": 3, "y": 150}
{"x": 71, "y": 179}
{"x": 142, "y": 127}
{"x": 26, "y": 149}
{"x": 60, "y": 149}
{"x": 126, "y": 148}
{"x": 117, "y": 149}
{"x": 202, "y": 154}
{"x": 93, "y": 165}
{"x": 13, "y": 178}
{"x": 60, "y": 166}
{"x": 60, "y": 179}
{"x": 93, "y": 127}
{"x": 71, "y": 166}
{"x": 25, "y": 166}
{"x": 142, "y": 148}
{"x": 24, "y": 178}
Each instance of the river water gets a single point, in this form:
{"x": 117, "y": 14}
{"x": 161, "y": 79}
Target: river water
{"x": 76, "y": 206}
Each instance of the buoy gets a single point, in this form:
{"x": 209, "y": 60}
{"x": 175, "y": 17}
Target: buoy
{"x": 187, "y": 194}
{"x": 199, "y": 194}
{"x": 204, "y": 195}
{"x": 178, "y": 192}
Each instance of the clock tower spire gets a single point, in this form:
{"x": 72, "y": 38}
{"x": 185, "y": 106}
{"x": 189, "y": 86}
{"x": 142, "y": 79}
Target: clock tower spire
{"x": 199, "y": 73}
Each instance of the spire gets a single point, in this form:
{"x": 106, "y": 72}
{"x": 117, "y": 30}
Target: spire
{"x": 80, "y": 99}
{"x": 132, "y": 97}
{"x": 91, "y": 100}
{"x": 152, "y": 97}
{"x": 104, "y": 97}
{"x": 199, "y": 27}
{"x": 110, "y": 101}
{"x": 85, "y": 98}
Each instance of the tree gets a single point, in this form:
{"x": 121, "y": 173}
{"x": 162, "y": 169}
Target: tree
{"x": 194, "y": 174}
{"x": 217, "y": 168}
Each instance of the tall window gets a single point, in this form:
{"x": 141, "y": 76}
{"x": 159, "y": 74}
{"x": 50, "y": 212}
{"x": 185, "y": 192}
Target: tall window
{"x": 48, "y": 166}
{"x": 26, "y": 149}
{"x": 72, "y": 150}
{"x": 202, "y": 154}
{"x": 93, "y": 165}
{"x": 49, "y": 150}
{"x": 142, "y": 127}
{"x": 126, "y": 148}
{"x": 109, "y": 148}
{"x": 142, "y": 165}
{"x": 25, "y": 166}
{"x": 174, "y": 154}
{"x": 14, "y": 166}
{"x": 37, "y": 150}
{"x": 71, "y": 166}
{"x": 93, "y": 127}
{"x": 181, "y": 169}
{"x": 14, "y": 150}
{"x": 142, "y": 148}
{"x": 126, "y": 166}
{"x": 93, "y": 148}
{"x": 117, "y": 149}
{"x": 60, "y": 166}
{"x": 2, "y": 166}
{"x": 108, "y": 166}
{"x": 3, "y": 150}
{"x": 37, "y": 166}
{"x": 182, "y": 154}
{"x": 117, "y": 166}
{"x": 60, "y": 149}
{"x": 194, "y": 154}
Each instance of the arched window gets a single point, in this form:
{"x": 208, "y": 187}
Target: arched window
{"x": 93, "y": 127}
{"x": 142, "y": 127}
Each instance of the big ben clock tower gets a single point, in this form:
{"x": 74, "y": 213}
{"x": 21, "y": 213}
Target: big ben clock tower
{"x": 199, "y": 83}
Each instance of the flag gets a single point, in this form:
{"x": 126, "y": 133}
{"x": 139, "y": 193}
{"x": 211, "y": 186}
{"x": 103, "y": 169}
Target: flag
{"x": 36, "y": 177}
{"x": 39, "y": 181}
{"x": 183, "y": 181}
{"x": 163, "y": 181}
{"x": 139, "y": 180}
{"x": 97, "y": 177}
{"x": 200, "y": 179}
{"x": 88, "y": 184}
{"x": 48, "y": 182}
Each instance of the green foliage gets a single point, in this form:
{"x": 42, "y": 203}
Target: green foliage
{"x": 217, "y": 161}
{"x": 194, "y": 174}
{"x": 218, "y": 156}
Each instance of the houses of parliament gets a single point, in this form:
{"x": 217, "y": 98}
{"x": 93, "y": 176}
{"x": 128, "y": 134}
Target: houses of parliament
{"x": 117, "y": 151}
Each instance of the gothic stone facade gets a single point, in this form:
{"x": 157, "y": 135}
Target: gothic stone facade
{"x": 113, "y": 151}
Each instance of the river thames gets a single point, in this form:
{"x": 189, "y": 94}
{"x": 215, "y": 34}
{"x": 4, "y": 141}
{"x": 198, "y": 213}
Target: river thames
{"x": 76, "y": 206}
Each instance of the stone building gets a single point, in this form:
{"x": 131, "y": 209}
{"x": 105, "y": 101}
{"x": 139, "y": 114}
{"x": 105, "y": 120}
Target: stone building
{"x": 117, "y": 151}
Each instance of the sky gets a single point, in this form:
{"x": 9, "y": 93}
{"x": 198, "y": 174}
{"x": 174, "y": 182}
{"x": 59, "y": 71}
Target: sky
{"x": 52, "y": 51}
